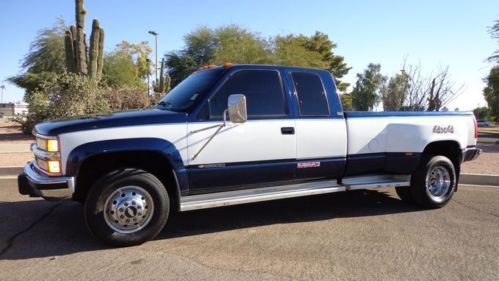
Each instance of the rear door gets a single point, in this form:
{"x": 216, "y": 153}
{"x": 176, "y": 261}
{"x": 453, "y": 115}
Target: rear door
{"x": 256, "y": 153}
{"x": 320, "y": 128}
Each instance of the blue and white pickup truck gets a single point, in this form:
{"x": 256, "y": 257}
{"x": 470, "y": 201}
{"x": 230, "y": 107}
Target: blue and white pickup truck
{"x": 236, "y": 134}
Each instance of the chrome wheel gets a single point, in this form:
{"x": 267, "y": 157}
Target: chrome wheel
{"x": 438, "y": 183}
{"x": 128, "y": 209}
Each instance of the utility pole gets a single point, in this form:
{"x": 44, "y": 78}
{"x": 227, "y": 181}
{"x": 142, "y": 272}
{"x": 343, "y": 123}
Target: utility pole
{"x": 155, "y": 34}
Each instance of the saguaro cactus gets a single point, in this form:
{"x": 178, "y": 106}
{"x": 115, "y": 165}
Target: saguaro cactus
{"x": 70, "y": 52}
{"x": 79, "y": 58}
{"x": 164, "y": 80}
{"x": 94, "y": 49}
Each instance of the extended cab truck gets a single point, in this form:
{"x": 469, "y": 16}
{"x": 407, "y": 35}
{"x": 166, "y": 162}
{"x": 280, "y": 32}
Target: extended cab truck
{"x": 237, "y": 134}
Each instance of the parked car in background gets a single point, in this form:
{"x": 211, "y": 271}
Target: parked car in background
{"x": 483, "y": 123}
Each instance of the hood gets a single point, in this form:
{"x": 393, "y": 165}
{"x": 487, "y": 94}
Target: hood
{"x": 118, "y": 119}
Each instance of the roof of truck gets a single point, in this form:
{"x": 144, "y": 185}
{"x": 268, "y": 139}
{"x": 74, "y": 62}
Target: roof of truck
{"x": 262, "y": 66}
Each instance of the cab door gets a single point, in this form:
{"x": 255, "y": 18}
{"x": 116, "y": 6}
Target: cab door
{"x": 257, "y": 153}
{"x": 321, "y": 135}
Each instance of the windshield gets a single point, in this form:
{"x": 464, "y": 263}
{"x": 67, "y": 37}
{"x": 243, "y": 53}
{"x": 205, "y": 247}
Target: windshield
{"x": 185, "y": 94}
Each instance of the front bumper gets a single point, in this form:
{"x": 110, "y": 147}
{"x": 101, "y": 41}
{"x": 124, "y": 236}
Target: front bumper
{"x": 471, "y": 153}
{"x": 35, "y": 184}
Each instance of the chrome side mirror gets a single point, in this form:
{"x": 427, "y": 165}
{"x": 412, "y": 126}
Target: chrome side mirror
{"x": 237, "y": 108}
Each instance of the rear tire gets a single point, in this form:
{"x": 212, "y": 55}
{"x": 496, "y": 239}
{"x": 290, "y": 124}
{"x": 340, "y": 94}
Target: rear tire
{"x": 127, "y": 207}
{"x": 434, "y": 182}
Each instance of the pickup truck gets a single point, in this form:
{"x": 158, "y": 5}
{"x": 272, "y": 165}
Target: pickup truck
{"x": 236, "y": 134}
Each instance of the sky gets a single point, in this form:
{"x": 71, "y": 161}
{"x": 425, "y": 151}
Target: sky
{"x": 432, "y": 34}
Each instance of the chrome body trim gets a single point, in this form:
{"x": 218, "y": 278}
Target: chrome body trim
{"x": 45, "y": 154}
{"x": 38, "y": 179}
{"x": 43, "y": 136}
{"x": 471, "y": 153}
{"x": 376, "y": 181}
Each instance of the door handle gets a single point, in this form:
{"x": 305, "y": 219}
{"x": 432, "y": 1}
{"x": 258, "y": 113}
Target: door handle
{"x": 288, "y": 130}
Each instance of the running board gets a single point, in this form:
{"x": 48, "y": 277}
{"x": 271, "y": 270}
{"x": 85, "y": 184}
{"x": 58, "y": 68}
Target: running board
{"x": 375, "y": 182}
{"x": 212, "y": 200}
{"x": 220, "y": 199}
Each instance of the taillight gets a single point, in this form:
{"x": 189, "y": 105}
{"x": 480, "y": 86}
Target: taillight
{"x": 476, "y": 127}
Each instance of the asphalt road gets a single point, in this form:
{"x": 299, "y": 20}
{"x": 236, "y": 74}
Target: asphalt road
{"x": 344, "y": 236}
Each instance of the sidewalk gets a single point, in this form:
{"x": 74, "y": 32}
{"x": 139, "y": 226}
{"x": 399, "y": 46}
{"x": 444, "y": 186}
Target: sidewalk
{"x": 14, "y": 146}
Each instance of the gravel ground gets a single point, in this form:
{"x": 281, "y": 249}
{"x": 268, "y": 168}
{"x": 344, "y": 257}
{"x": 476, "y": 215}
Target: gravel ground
{"x": 487, "y": 162}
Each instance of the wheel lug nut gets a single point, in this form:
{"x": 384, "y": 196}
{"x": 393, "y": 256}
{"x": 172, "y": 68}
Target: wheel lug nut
{"x": 127, "y": 220}
{"x": 121, "y": 209}
{"x": 133, "y": 202}
{"x": 122, "y": 217}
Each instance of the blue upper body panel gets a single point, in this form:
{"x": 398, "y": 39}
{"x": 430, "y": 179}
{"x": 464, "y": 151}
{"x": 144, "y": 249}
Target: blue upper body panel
{"x": 119, "y": 119}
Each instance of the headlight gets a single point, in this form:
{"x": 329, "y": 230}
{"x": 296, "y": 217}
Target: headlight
{"x": 47, "y": 144}
{"x": 47, "y": 154}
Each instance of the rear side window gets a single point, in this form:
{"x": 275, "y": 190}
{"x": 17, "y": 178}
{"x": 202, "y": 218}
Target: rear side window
{"x": 263, "y": 91}
{"x": 311, "y": 94}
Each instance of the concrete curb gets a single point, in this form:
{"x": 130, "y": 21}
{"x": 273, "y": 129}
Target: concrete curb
{"x": 479, "y": 179}
{"x": 475, "y": 179}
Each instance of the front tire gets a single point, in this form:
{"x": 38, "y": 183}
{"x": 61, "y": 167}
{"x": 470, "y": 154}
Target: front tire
{"x": 434, "y": 182}
{"x": 404, "y": 193}
{"x": 127, "y": 207}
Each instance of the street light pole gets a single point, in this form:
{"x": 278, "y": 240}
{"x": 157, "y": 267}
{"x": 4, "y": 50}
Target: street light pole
{"x": 155, "y": 34}
{"x": 3, "y": 88}
{"x": 148, "y": 76}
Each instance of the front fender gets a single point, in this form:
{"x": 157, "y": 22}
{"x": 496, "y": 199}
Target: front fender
{"x": 168, "y": 150}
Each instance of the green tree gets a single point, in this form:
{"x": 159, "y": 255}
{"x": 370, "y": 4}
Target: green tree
{"x": 138, "y": 52}
{"x": 491, "y": 92}
{"x": 237, "y": 45}
{"x": 481, "y": 112}
{"x": 365, "y": 94}
{"x": 46, "y": 59}
{"x": 394, "y": 94}
{"x": 494, "y": 32}
{"x": 320, "y": 43}
{"x": 215, "y": 46}
{"x": 119, "y": 70}
{"x": 127, "y": 65}
{"x": 346, "y": 102}
{"x": 291, "y": 50}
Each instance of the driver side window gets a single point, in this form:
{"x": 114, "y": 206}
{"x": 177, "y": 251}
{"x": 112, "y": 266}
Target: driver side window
{"x": 263, "y": 91}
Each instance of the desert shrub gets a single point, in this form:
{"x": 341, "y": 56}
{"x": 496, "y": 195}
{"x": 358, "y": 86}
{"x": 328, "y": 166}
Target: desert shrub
{"x": 125, "y": 98}
{"x": 69, "y": 95}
